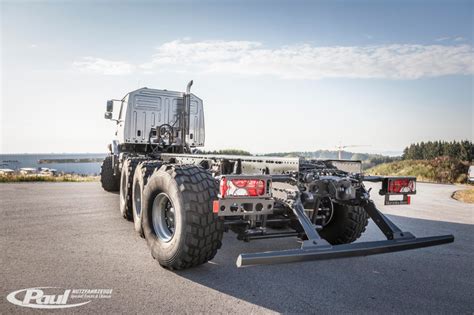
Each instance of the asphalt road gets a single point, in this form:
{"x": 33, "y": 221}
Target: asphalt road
{"x": 71, "y": 235}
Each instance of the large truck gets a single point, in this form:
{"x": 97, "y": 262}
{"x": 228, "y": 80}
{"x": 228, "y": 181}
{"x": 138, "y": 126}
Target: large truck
{"x": 182, "y": 201}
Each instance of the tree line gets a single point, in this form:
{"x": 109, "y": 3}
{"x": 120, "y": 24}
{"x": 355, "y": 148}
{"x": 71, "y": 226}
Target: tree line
{"x": 459, "y": 150}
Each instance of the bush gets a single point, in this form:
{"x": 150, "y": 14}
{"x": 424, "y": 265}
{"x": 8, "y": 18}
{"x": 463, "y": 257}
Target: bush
{"x": 438, "y": 170}
{"x": 38, "y": 178}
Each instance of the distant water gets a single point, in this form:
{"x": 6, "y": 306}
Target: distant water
{"x": 17, "y": 161}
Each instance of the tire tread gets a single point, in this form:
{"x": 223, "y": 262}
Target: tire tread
{"x": 108, "y": 180}
{"x": 203, "y": 231}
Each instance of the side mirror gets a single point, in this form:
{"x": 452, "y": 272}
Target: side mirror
{"x": 110, "y": 106}
{"x": 108, "y": 115}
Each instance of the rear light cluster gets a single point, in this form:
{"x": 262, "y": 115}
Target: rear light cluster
{"x": 242, "y": 187}
{"x": 398, "y": 186}
{"x": 401, "y": 186}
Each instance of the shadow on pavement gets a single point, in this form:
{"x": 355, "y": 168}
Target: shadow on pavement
{"x": 433, "y": 279}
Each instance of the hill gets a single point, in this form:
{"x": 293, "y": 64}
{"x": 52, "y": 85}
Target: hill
{"x": 438, "y": 170}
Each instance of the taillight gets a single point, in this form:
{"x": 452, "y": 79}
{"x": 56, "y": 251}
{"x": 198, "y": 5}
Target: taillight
{"x": 401, "y": 186}
{"x": 254, "y": 187}
{"x": 236, "y": 187}
{"x": 392, "y": 186}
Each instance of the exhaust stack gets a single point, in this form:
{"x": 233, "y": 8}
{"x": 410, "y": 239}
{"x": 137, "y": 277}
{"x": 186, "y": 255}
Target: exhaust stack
{"x": 188, "y": 87}
{"x": 186, "y": 109}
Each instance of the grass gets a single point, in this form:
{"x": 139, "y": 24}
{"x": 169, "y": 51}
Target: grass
{"x": 439, "y": 170}
{"x": 466, "y": 195}
{"x": 39, "y": 178}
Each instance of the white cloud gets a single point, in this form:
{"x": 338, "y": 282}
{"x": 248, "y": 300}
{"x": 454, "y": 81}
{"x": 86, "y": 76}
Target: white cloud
{"x": 455, "y": 39}
{"x": 185, "y": 54}
{"x": 305, "y": 61}
{"x": 103, "y": 66}
{"x": 395, "y": 61}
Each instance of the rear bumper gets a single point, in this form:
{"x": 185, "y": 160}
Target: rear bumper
{"x": 339, "y": 251}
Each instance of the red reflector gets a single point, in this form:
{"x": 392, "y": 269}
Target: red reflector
{"x": 408, "y": 200}
{"x": 215, "y": 206}
{"x": 401, "y": 186}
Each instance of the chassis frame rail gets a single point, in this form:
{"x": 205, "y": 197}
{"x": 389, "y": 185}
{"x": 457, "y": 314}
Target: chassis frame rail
{"x": 316, "y": 248}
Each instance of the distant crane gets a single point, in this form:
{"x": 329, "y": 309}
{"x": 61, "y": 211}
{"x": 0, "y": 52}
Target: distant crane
{"x": 341, "y": 148}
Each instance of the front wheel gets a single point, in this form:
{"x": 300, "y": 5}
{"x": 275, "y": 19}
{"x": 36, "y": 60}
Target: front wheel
{"x": 110, "y": 181}
{"x": 177, "y": 219}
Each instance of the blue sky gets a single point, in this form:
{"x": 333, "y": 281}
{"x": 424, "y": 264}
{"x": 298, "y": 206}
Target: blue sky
{"x": 274, "y": 76}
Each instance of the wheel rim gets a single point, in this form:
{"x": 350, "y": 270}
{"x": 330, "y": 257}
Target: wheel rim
{"x": 163, "y": 217}
{"x": 326, "y": 211}
{"x": 137, "y": 200}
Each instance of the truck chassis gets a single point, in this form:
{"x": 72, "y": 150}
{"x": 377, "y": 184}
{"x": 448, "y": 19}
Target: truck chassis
{"x": 313, "y": 247}
{"x": 181, "y": 202}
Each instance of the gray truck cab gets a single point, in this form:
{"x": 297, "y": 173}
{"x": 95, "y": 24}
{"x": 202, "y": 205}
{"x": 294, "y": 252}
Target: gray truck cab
{"x": 144, "y": 110}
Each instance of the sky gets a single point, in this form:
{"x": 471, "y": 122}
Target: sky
{"x": 274, "y": 75}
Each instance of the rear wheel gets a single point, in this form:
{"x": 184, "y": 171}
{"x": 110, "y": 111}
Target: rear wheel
{"x": 126, "y": 182}
{"x": 140, "y": 179}
{"x": 347, "y": 224}
{"x": 178, "y": 223}
{"x": 109, "y": 181}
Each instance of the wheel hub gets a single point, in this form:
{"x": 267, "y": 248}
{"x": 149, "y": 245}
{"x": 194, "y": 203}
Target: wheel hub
{"x": 138, "y": 200}
{"x": 123, "y": 189}
{"x": 163, "y": 217}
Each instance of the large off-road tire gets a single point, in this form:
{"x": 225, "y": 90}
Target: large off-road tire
{"x": 346, "y": 226}
{"x": 180, "y": 228}
{"x": 126, "y": 181}
{"x": 140, "y": 179}
{"x": 109, "y": 181}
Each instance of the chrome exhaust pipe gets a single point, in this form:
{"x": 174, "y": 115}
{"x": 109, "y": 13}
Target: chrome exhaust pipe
{"x": 188, "y": 87}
